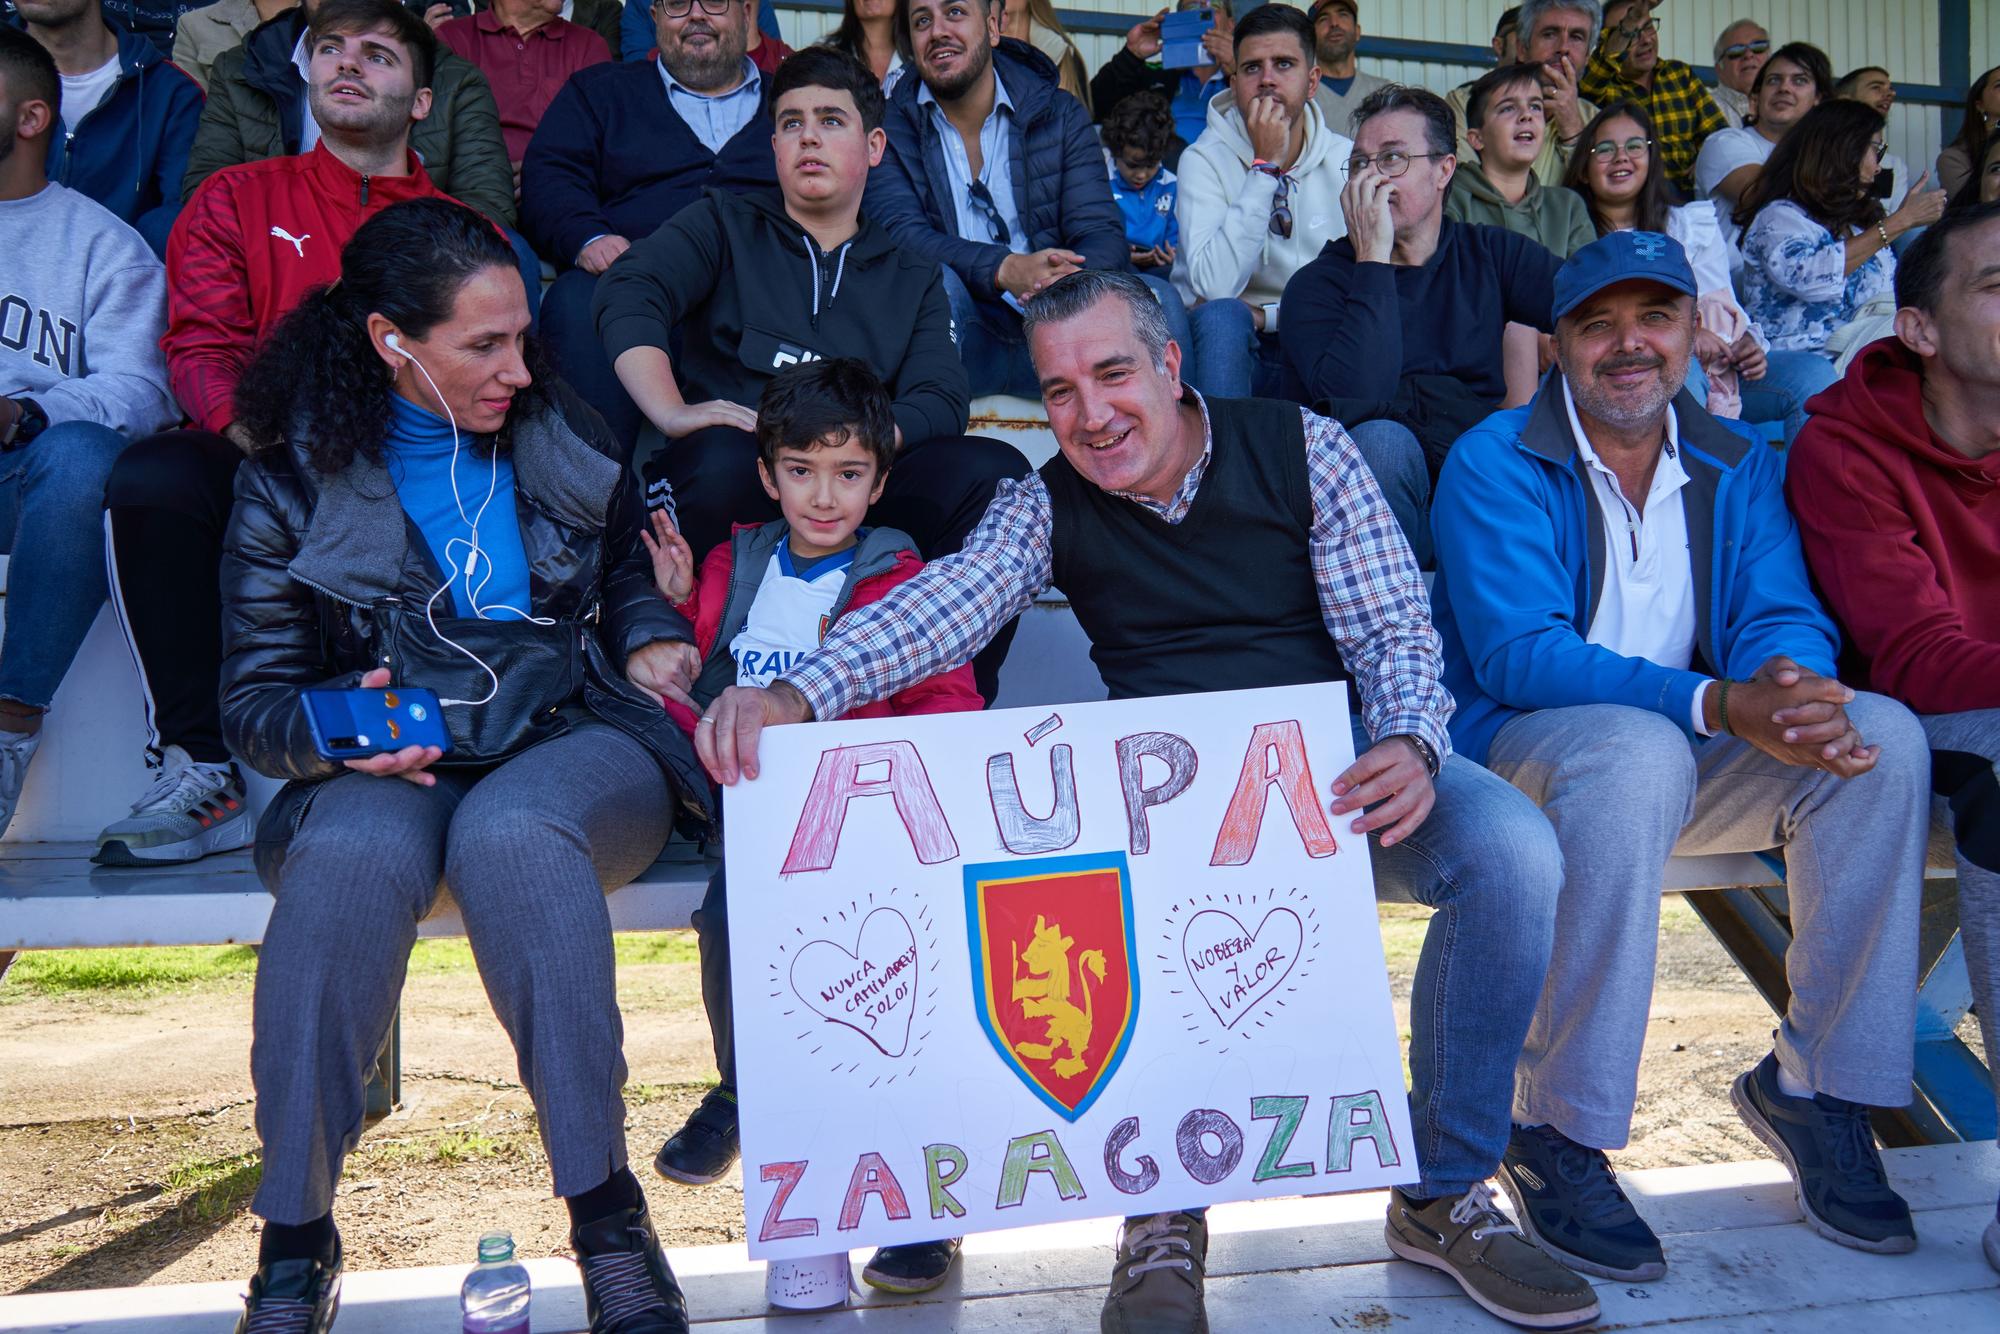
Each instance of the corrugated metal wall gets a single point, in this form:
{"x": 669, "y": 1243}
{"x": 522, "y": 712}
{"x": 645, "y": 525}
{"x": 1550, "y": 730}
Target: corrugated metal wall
{"x": 1901, "y": 35}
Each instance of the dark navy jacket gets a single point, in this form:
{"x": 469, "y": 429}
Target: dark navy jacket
{"x": 612, "y": 157}
{"x": 130, "y": 152}
{"x": 1061, "y": 188}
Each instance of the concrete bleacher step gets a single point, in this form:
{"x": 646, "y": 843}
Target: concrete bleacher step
{"x": 1739, "y": 1261}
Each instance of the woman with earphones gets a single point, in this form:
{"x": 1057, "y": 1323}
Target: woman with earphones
{"x": 427, "y": 508}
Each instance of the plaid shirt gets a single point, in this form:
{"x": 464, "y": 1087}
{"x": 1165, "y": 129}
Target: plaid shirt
{"x": 1683, "y": 113}
{"x": 1371, "y": 596}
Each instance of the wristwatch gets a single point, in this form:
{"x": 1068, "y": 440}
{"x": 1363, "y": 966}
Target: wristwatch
{"x": 29, "y": 422}
{"x": 1424, "y": 748}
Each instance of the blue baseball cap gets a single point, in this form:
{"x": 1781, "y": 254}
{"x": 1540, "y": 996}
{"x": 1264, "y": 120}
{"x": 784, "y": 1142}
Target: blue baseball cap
{"x": 1621, "y": 257}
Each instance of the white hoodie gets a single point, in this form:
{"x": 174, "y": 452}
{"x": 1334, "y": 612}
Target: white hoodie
{"x": 1227, "y": 245}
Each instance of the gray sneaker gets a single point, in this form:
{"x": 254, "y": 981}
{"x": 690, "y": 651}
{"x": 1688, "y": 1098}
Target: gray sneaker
{"x": 190, "y": 811}
{"x": 16, "y": 749}
{"x": 1468, "y": 1238}
{"x": 1156, "y": 1286}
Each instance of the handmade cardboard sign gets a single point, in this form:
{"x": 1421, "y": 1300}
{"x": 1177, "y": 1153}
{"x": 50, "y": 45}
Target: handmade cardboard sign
{"x": 1001, "y": 968}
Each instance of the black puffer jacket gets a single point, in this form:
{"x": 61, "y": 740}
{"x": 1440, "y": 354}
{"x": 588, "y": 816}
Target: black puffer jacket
{"x": 315, "y": 569}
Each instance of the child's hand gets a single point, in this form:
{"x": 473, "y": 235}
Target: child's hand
{"x": 673, "y": 559}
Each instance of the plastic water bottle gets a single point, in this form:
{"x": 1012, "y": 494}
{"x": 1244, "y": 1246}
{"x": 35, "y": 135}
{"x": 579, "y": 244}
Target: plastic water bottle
{"x": 495, "y": 1297}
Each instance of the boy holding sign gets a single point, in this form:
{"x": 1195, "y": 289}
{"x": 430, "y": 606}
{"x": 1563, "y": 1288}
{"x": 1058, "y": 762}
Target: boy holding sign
{"x": 763, "y": 602}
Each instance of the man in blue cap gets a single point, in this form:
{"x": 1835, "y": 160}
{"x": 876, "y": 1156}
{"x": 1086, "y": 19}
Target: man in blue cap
{"x": 1633, "y": 642}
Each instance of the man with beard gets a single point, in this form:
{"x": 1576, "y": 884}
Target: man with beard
{"x": 259, "y": 106}
{"x": 1342, "y": 86}
{"x": 1558, "y": 35}
{"x": 996, "y": 176}
{"x": 1627, "y": 67}
{"x": 1633, "y": 642}
{"x": 626, "y": 146}
{"x": 253, "y": 240}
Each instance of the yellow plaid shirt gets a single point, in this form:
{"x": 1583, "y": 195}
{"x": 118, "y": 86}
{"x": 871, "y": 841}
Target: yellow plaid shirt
{"x": 1683, "y": 113}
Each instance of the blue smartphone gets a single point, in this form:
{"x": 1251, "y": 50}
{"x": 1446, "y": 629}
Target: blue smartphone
{"x": 354, "y": 724}
{"x": 1180, "y": 38}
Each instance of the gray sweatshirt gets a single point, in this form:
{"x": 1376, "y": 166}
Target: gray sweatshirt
{"x": 83, "y": 302}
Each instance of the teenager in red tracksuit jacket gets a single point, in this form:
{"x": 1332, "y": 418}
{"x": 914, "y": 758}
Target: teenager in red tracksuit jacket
{"x": 253, "y": 240}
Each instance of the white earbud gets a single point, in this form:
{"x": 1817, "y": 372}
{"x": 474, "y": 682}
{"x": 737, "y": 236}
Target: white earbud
{"x": 474, "y": 554}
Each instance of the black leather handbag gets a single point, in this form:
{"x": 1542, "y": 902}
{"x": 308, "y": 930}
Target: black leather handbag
{"x": 540, "y": 671}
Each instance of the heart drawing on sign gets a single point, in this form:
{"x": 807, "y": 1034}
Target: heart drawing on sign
{"x": 1233, "y": 968}
{"x": 872, "y": 988}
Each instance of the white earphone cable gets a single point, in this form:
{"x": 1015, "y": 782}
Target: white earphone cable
{"x": 473, "y": 552}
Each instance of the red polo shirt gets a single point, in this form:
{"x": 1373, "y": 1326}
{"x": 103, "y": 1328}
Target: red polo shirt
{"x": 526, "y": 72}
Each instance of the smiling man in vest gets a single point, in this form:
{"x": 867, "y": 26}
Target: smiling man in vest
{"x": 1159, "y": 499}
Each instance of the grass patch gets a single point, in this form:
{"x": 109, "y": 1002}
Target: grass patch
{"x": 1403, "y": 927}
{"x": 144, "y": 972}
{"x": 213, "y": 1188}
{"x": 630, "y": 948}
{"x": 448, "y": 1148}
{"x": 52, "y": 973}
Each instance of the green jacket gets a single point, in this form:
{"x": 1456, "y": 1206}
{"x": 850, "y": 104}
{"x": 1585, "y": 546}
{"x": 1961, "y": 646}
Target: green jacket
{"x": 1550, "y": 214}
{"x": 254, "y": 112}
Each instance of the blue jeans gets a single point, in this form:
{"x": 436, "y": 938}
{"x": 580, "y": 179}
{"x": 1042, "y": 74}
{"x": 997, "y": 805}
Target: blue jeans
{"x": 1397, "y": 460}
{"x": 52, "y": 520}
{"x": 995, "y": 350}
{"x": 1230, "y": 359}
{"x": 1487, "y": 860}
{"x": 1790, "y": 378}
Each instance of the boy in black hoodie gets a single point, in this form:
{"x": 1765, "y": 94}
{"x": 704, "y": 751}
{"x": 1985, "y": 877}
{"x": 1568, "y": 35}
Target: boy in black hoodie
{"x": 755, "y": 283}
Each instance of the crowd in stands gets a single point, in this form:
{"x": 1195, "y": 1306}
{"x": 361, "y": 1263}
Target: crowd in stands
{"x": 1686, "y": 395}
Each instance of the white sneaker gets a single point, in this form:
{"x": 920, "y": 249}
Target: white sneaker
{"x": 190, "y": 811}
{"x": 16, "y": 749}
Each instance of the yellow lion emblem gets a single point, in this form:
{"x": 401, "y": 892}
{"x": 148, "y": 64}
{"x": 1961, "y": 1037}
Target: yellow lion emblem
{"x": 1044, "y": 994}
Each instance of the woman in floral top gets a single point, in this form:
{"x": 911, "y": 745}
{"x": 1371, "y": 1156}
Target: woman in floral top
{"x": 1817, "y": 249}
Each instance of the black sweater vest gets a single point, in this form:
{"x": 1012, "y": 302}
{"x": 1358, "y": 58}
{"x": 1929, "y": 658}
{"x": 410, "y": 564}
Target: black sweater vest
{"x": 1223, "y": 600}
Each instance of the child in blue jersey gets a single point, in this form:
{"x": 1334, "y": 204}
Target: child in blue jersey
{"x": 1135, "y": 136}
{"x": 762, "y": 601}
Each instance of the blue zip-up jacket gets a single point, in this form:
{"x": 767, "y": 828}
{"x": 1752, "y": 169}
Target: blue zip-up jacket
{"x": 1054, "y": 160}
{"x": 1520, "y": 544}
{"x": 130, "y": 152}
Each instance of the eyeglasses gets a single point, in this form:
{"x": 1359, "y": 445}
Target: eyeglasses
{"x": 1877, "y": 147}
{"x": 984, "y": 199}
{"x": 1281, "y": 209}
{"x": 1742, "y": 49}
{"x": 1606, "y": 149}
{"x": 1391, "y": 164}
{"x": 680, "y": 9}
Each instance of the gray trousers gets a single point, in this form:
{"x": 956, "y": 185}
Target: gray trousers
{"x": 1626, "y": 790}
{"x": 1977, "y": 732}
{"x": 528, "y": 849}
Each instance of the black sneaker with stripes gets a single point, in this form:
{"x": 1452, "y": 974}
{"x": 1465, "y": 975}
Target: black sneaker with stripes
{"x": 627, "y": 1285}
{"x": 293, "y": 1297}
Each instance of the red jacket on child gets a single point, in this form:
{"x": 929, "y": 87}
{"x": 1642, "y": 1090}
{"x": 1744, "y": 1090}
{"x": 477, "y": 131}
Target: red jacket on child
{"x": 727, "y": 585}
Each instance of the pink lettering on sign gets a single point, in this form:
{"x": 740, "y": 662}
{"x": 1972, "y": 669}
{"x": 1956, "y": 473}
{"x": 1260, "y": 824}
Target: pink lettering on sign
{"x": 839, "y": 781}
{"x": 777, "y": 1227}
{"x": 1292, "y": 775}
{"x": 872, "y": 1177}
